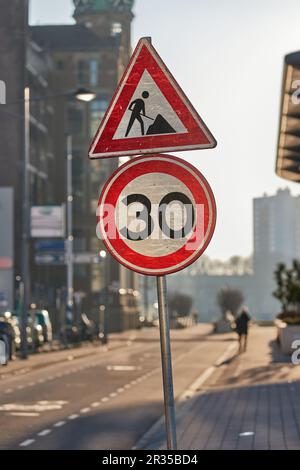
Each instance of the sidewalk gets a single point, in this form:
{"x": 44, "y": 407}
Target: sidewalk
{"x": 250, "y": 401}
{"x": 116, "y": 340}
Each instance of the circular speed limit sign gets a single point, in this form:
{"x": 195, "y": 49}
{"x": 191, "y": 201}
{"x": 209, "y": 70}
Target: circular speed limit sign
{"x": 156, "y": 215}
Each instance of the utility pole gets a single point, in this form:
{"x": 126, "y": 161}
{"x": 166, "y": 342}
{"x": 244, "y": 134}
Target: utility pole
{"x": 146, "y": 298}
{"x": 165, "y": 344}
{"x": 80, "y": 94}
{"x": 25, "y": 281}
{"x": 69, "y": 240}
{"x": 104, "y": 255}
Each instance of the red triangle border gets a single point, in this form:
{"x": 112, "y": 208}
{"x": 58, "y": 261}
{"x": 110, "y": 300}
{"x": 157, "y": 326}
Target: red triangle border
{"x": 197, "y": 137}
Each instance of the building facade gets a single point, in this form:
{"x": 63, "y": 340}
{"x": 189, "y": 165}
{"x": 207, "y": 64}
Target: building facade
{"x": 55, "y": 61}
{"x": 276, "y": 226}
{"x": 276, "y": 239}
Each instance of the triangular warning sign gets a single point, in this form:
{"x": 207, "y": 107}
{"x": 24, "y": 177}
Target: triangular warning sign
{"x": 149, "y": 112}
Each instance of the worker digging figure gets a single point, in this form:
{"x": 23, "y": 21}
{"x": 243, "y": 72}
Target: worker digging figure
{"x": 137, "y": 107}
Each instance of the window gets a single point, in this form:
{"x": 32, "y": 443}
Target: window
{"x": 75, "y": 118}
{"x": 94, "y": 72}
{"x": 88, "y": 72}
{"x": 97, "y": 111}
{"x": 116, "y": 28}
{"x": 60, "y": 65}
{"x": 82, "y": 72}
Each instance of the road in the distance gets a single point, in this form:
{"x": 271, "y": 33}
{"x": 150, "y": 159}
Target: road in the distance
{"x": 104, "y": 401}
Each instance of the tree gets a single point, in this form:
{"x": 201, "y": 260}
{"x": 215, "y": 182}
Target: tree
{"x": 235, "y": 263}
{"x": 230, "y": 299}
{"x": 288, "y": 286}
{"x": 180, "y": 305}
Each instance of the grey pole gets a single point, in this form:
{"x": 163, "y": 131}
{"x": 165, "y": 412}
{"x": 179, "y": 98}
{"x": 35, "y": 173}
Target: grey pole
{"x": 146, "y": 298}
{"x": 69, "y": 241}
{"x": 166, "y": 360}
{"x": 25, "y": 227}
{"x": 107, "y": 300}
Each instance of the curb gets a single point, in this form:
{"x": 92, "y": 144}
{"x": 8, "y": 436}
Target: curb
{"x": 27, "y": 367}
{"x": 154, "y": 437}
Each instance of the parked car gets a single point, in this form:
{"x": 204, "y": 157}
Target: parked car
{"x": 87, "y": 329}
{"x": 15, "y": 324}
{"x": 42, "y": 318}
{"x": 34, "y": 331}
{"x": 7, "y": 336}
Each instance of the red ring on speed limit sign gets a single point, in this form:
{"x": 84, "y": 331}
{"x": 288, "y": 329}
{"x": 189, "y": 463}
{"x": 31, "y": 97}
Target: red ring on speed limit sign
{"x": 151, "y": 187}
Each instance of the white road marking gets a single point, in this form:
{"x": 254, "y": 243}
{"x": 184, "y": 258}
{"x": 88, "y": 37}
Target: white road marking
{"x": 94, "y": 405}
{"x": 35, "y": 408}
{"x": 24, "y": 414}
{"x": 127, "y": 386}
{"x": 113, "y": 394}
{"x": 20, "y": 387}
{"x": 133, "y": 382}
{"x": 45, "y": 432}
{"x": 59, "y": 424}
{"x": 199, "y": 382}
{"x": 85, "y": 410}
{"x": 123, "y": 368}
{"x": 26, "y": 443}
{"x": 120, "y": 390}
{"x": 226, "y": 354}
{"x": 104, "y": 399}
{"x": 73, "y": 416}
{"x": 9, "y": 390}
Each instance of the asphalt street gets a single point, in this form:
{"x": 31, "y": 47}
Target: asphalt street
{"x": 107, "y": 400}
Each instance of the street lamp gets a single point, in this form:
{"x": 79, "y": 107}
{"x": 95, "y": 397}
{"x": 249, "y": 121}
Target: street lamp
{"x": 81, "y": 94}
{"x": 86, "y": 96}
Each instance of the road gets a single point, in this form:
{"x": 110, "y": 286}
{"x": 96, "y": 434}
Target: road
{"x": 106, "y": 400}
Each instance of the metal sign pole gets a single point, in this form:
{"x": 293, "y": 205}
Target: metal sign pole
{"x": 166, "y": 360}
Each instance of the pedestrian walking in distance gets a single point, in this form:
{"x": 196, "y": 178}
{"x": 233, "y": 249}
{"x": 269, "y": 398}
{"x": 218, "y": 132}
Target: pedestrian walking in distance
{"x": 137, "y": 107}
{"x": 242, "y": 322}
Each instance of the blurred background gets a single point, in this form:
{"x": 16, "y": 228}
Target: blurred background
{"x": 70, "y": 55}
{"x": 60, "y": 63}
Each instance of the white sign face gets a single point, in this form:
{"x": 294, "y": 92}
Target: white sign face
{"x": 47, "y": 222}
{"x": 156, "y": 216}
{"x": 155, "y": 187}
{"x": 154, "y": 106}
{"x": 149, "y": 113}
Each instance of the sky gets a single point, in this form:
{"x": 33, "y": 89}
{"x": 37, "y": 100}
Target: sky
{"x": 228, "y": 57}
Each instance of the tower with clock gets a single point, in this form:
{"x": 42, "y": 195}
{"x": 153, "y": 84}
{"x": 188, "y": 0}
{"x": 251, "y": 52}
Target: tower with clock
{"x": 107, "y": 18}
